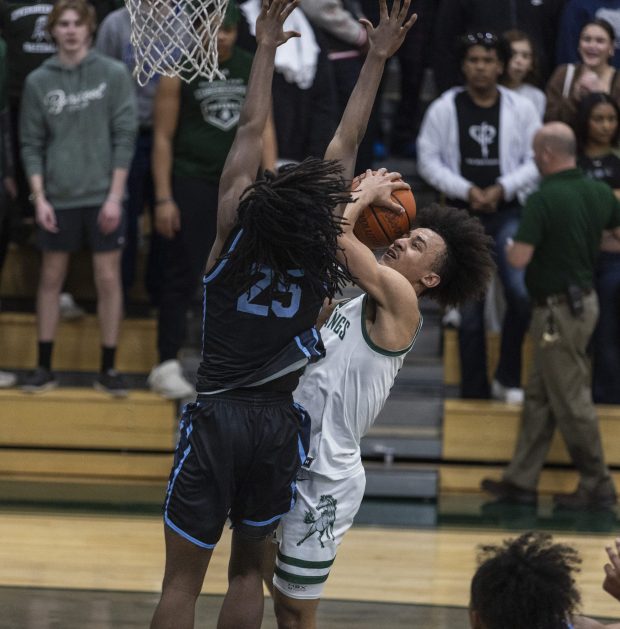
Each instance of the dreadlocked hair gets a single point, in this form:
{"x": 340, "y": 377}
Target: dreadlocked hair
{"x": 288, "y": 223}
{"x": 526, "y": 583}
{"x": 467, "y": 264}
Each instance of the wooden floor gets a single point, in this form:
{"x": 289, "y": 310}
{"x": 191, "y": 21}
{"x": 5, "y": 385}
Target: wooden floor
{"x": 124, "y": 553}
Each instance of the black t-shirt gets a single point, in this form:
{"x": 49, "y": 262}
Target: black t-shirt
{"x": 478, "y": 140}
{"x": 259, "y": 334}
{"x": 605, "y": 168}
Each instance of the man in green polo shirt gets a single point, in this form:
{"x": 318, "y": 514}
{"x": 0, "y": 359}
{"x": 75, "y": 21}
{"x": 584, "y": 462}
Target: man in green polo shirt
{"x": 558, "y": 241}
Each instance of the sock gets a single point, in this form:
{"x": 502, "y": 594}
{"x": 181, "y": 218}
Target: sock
{"x": 108, "y": 356}
{"x": 45, "y": 354}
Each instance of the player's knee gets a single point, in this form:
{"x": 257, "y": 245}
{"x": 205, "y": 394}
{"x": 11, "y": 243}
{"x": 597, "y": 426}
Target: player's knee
{"x": 293, "y": 613}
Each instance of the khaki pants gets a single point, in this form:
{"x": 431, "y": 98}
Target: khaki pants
{"x": 558, "y": 393}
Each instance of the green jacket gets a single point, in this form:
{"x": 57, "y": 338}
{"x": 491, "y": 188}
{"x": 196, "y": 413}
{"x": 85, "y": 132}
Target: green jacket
{"x": 77, "y": 125}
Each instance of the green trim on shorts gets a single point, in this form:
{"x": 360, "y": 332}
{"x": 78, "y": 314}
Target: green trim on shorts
{"x": 294, "y": 578}
{"x": 301, "y": 563}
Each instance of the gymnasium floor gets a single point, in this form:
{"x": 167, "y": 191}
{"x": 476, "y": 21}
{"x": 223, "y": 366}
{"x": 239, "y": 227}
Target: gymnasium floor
{"x": 404, "y": 564}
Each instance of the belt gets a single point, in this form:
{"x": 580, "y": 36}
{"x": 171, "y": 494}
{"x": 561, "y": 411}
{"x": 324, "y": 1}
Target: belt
{"x": 558, "y": 298}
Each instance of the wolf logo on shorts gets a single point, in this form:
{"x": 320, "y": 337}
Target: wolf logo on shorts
{"x": 324, "y": 524}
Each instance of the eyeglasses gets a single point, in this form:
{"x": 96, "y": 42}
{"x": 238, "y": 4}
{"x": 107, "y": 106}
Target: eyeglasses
{"x": 485, "y": 39}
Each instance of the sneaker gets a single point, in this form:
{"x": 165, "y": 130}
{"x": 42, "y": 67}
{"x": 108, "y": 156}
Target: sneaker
{"x": 7, "y": 379}
{"x": 451, "y": 318}
{"x": 69, "y": 310}
{"x": 39, "y": 380}
{"x": 111, "y": 382}
{"x": 510, "y": 395}
{"x": 505, "y": 490}
{"x": 168, "y": 380}
{"x": 584, "y": 500}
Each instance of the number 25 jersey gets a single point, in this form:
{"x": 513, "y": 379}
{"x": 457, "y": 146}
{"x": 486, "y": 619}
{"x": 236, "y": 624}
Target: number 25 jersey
{"x": 254, "y": 335}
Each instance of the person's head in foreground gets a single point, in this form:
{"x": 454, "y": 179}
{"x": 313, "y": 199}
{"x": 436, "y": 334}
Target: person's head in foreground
{"x": 446, "y": 256}
{"x": 526, "y": 583}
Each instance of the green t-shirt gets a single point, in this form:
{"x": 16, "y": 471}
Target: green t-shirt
{"x": 29, "y": 44}
{"x": 208, "y": 117}
{"x": 564, "y": 221}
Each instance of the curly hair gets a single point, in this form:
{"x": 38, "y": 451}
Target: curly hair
{"x": 526, "y": 583}
{"x": 288, "y": 222}
{"x": 466, "y": 267}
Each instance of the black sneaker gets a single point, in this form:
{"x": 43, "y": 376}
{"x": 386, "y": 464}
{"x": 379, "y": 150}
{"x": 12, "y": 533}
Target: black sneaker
{"x": 508, "y": 492}
{"x": 583, "y": 500}
{"x": 111, "y": 382}
{"x": 39, "y": 380}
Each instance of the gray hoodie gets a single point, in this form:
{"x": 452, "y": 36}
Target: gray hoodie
{"x": 77, "y": 125}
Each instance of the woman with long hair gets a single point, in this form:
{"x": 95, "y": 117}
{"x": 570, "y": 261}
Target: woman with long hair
{"x": 570, "y": 83}
{"x": 598, "y": 133}
{"x": 521, "y": 74}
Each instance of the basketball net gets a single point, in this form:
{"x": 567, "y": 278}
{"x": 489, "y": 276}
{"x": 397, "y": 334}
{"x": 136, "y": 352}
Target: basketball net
{"x": 175, "y": 37}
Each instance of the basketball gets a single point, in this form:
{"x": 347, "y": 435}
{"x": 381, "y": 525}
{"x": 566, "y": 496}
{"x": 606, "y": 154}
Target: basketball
{"x": 378, "y": 227}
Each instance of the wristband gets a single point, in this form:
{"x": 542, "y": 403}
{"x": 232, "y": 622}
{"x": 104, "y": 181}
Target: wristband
{"x": 33, "y": 196}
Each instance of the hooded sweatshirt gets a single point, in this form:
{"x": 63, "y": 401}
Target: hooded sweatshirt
{"x": 77, "y": 125}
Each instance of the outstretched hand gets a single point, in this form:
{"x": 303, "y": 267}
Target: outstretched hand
{"x": 377, "y": 187}
{"x": 270, "y": 22}
{"x": 386, "y": 38}
{"x": 611, "y": 584}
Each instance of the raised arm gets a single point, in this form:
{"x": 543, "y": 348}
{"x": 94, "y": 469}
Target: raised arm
{"x": 244, "y": 157}
{"x": 383, "y": 41}
{"x": 397, "y": 314}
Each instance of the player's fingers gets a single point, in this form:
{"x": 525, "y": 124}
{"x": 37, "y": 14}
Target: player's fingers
{"x": 366, "y": 24}
{"x": 383, "y": 12}
{"x": 399, "y": 185}
{"x": 609, "y": 570}
{"x": 613, "y": 557}
{"x": 393, "y": 206}
{"x": 403, "y": 10}
{"x": 410, "y": 22}
{"x": 288, "y": 9}
{"x": 291, "y": 34}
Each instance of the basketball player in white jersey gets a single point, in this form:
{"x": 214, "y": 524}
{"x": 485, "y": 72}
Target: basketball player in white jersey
{"x": 446, "y": 256}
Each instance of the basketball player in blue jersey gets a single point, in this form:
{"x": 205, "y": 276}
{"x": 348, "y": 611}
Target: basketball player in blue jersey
{"x": 273, "y": 263}
{"x": 447, "y": 257}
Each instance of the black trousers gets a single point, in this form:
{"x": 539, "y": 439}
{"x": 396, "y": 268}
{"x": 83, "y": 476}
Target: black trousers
{"x": 185, "y": 257}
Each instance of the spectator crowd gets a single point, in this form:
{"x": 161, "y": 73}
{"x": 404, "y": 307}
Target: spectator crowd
{"x": 86, "y": 151}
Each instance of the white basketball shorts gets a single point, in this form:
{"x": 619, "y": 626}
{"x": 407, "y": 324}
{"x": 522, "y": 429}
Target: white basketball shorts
{"x": 309, "y": 535}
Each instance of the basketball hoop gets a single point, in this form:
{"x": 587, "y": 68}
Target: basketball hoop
{"x": 175, "y": 37}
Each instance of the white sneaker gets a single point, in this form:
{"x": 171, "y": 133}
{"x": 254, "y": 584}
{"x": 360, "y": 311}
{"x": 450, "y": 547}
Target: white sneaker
{"x": 451, "y": 318}
{"x": 510, "y": 395}
{"x": 7, "y": 379}
{"x": 168, "y": 380}
{"x": 69, "y": 310}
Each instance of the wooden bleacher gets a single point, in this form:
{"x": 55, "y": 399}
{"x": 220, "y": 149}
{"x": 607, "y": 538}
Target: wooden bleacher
{"x": 75, "y": 443}
{"x": 479, "y": 436}
{"x": 77, "y": 346}
{"x": 451, "y": 363}
{"x": 80, "y": 435}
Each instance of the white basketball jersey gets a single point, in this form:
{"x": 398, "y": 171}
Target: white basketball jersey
{"x": 345, "y": 391}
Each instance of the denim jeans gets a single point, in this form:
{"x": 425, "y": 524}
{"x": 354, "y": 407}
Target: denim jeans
{"x": 606, "y": 339}
{"x": 472, "y": 334}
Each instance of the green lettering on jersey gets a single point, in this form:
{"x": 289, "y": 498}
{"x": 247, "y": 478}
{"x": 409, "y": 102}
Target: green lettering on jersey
{"x": 339, "y": 324}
